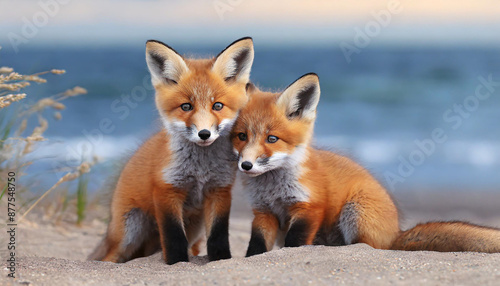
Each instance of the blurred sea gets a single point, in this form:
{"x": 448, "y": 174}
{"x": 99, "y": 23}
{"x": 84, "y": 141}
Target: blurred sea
{"x": 372, "y": 109}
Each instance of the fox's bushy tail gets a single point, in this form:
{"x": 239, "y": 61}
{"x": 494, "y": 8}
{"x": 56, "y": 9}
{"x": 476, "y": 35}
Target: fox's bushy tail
{"x": 449, "y": 237}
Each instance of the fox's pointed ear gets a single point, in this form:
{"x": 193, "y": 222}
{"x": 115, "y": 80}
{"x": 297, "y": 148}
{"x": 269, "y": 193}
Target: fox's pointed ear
{"x": 251, "y": 88}
{"x": 235, "y": 61}
{"x": 164, "y": 63}
{"x": 300, "y": 99}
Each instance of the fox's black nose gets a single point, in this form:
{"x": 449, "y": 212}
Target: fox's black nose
{"x": 204, "y": 134}
{"x": 246, "y": 166}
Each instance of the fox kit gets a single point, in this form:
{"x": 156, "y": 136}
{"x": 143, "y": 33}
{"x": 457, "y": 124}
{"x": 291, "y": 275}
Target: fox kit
{"x": 180, "y": 179}
{"x": 301, "y": 195}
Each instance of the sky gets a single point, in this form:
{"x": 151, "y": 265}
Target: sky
{"x": 295, "y": 22}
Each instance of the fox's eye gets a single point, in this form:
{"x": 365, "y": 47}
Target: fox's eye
{"x": 272, "y": 139}
{"x": 217, "y": 106}
{"x": 186, "y": 106}
{"x": 242, "y": 136}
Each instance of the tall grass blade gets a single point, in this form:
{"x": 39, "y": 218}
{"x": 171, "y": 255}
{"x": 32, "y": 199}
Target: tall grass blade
{"x": 81, "y": 198}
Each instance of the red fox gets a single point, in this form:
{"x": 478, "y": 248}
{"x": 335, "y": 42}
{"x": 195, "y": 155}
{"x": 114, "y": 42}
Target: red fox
{"x": 180, "y": 179}
{"x": 301, "y": 195}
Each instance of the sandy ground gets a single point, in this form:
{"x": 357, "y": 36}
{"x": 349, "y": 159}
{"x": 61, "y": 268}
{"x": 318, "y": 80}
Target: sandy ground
{"x": 54, "y": 254}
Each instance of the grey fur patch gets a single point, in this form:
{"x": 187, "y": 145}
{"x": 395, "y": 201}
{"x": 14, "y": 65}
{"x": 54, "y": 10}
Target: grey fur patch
{"x": 199, "y": 169}
{"x": 138, "y": 227}
{"x": 263, "y": 161}
{"x": 348, "y": 222}
{"x": 275, "y": 191}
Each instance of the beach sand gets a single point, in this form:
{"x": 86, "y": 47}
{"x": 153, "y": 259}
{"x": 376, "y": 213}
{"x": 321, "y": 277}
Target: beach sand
{"x": 54, "y": 254}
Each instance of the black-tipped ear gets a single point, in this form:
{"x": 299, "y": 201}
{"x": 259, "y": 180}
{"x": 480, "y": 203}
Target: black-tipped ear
{"x": 300, "y": 99}
{"x": 250, "y": 87}
{"x": 164, "y": 63}
{"x": 235, "y": 61}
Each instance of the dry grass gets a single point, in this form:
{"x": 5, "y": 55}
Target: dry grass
{"x": 16, "y": 143}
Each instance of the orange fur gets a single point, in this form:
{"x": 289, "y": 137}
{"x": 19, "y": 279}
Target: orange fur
{"x": 449, "y": 236}
{"x": 333, "y": 183}
{"x": 147, "y": 208}
{"x": 268, "y": 224}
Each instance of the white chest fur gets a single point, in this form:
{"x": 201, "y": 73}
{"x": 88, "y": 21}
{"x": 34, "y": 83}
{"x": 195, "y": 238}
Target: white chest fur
{"x": 275, "y": 191}
{"x": 199, "y": 169}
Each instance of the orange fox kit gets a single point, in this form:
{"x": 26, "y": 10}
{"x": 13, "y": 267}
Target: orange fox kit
{"x": 301, "y": 195}
{"x": 180, "y": 179}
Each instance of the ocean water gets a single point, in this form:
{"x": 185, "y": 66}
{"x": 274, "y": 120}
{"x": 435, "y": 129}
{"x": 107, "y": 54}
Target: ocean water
{"x": 416, "y": 118}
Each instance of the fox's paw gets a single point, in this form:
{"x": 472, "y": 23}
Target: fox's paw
{"x": 256, "y": 246}
{"x": 218, "y": 250}
{"x": 173, "y": 258}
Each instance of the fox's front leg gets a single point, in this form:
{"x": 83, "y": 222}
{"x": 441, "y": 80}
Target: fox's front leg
{"x": 169, "y": 217}
{"x": 216, "y": 209}
{"x": 264, "y": 229}
{"x": 304, "y": 224}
